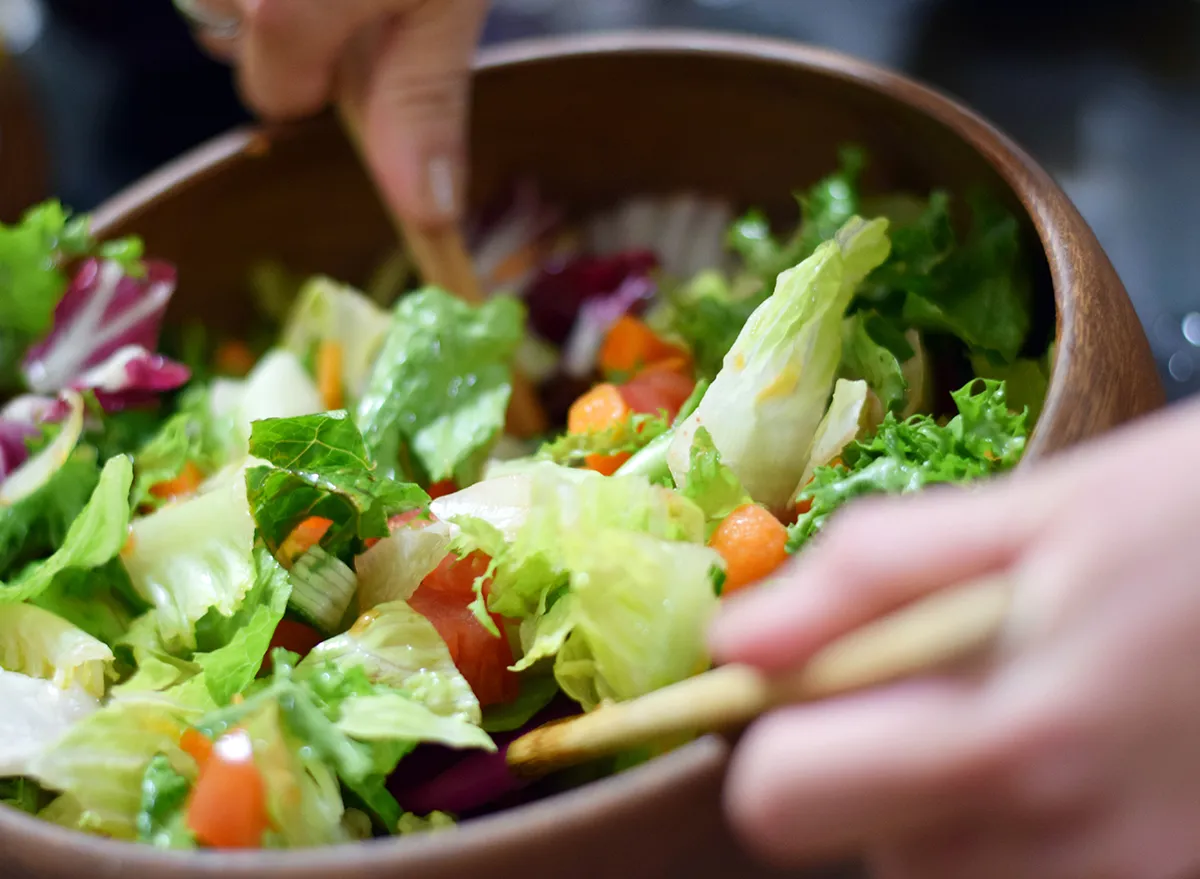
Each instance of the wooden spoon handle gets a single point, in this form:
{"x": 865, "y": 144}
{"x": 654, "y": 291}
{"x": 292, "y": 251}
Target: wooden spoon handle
{"x": 443, "y": 259}
{"x": 947, "y": 626}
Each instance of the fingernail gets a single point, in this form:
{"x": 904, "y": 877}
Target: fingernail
{"x": 441, "y": 185}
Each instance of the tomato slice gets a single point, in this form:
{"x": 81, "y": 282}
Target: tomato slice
{"x": 655, "y": 390}
{"x": 294, "y": 636}
{"x": 483, "y": 659}
{"x": 228, "y": 805}
{"x": 443, "y": 488}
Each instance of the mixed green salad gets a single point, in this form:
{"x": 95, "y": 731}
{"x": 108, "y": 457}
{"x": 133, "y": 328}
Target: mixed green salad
{"x": 301, "y": 588}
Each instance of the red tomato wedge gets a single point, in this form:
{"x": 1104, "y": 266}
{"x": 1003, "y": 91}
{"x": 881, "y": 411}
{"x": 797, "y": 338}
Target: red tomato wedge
{"x": 294, "y": 636}
{"x": 228, "y": 806}
{"x": 658, "y": 389}
{"x": 483, "y": 659}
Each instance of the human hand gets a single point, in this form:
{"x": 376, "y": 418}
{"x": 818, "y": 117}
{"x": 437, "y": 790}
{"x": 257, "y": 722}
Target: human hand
{"x": 404, "y": 65}
{"x": 1074, "y": 753}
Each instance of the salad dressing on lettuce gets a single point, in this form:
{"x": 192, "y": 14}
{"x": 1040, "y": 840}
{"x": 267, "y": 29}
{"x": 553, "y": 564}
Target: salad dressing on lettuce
{"x": 299, "y": 588}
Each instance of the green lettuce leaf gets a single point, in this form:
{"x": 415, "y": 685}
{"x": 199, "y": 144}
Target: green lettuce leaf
{"x": 537, "y": 691}
{"x": 400, "y": 649}
{"x": 35, "y": 526}
{"x": 326, "y": 311}
{"x": 102, "y": 760}
{"x": 99, "y": 601}
{"x": 633, "y": 618}
{"x": 713, "y": 486}
{"x": 764, "y": 406}
{"x": 160, "y": 820}
{"x": 23, "y": 794}
{"x": 824, "y": 209}
{"x": 93, "y": 538}
{"x": 232, "y": 667}
{"x": 864, "y": 358}
{"x": 321, "y": 468}
{"x": 191, "y": 435}
{"x": 437, "y": 397}
{"x": 846, "y": 419}
{"x": 635, "y": 432}
{"x": 37, "y": 643}
{"x": 190, "y": 558}
{"x": 978, "y": 290}
{"x": 983, "y": 439}
{"x": 391, "y": 715}
{"x": 708, "y": 313}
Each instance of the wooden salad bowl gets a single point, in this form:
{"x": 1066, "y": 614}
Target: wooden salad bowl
{"x": 592, "y": 119}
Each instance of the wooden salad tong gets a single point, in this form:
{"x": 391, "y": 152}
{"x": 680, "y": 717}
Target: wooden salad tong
{"x": 932, "y": 633}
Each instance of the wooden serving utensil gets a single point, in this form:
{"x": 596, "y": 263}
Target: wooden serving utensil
{"x": 442, "y": 257}
{"x": 934, "y": 632}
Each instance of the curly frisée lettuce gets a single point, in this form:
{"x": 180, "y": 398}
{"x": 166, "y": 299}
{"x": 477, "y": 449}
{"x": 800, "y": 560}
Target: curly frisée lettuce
{"x": 984, "y": 438}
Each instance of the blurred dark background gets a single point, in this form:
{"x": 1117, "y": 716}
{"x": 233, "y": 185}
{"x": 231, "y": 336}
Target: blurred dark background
{"x": 1106, "y": 94}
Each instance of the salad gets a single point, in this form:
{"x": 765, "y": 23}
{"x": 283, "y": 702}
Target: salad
{"x": 302, "y": 587}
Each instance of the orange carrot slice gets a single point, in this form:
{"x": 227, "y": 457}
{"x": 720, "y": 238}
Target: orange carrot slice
{"x": 753, "y": 544}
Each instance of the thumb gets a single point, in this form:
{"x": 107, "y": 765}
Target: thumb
{"x": 406, "y": 96}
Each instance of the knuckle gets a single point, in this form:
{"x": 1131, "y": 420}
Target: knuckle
{"x": 430, "y": 96}
{"x": 267, "y": 18}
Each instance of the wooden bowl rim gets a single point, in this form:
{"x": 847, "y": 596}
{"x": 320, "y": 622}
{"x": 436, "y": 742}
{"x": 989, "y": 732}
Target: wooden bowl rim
{"x": 577, "y": 808}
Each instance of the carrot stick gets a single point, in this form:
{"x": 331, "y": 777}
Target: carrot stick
{"x": 329, "y": 374}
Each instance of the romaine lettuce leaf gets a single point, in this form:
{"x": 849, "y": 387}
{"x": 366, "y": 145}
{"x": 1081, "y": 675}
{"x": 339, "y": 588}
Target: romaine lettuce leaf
{"x": 392, "y": 569}
{"x": 321, "y": 468}
{"x": 193, "y": 436}
{"x": 35, "y": 526}
{"x": 326, "y": 311}
{"x": 713, "y": 486}
{"x": 191, "y": 558}
{"x": 984, "y": 438}
{"x": 864, "y": 358}
{"x": 277, "y": 387}
{"x": 101, "y": 761}
{"x": 232, "y": 667}
{"x": 37, "y": 713}
{"x": 764, "y": 406}
{"x": 398, "y": 648}
{"x": 440, "y": 387}
{"x": 391, "y": 715}
{"x": 537, "y": 691}
{"x": 633, "y": 617}
{"x": 1025, "y": 381}
{"x": 94, "y": 537}
{"x": 848, "y": 416}
{"x": 37, "y": 643}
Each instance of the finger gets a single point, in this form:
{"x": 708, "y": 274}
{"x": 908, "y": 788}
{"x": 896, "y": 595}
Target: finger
{"x": 215, "y": 24}
{"x": 413, "y": 105}
{"x": 290, "y": 49}
{"x": 828, "y": 778}
{"x": 876, "y": 556}
{"x": 986, "y": 850}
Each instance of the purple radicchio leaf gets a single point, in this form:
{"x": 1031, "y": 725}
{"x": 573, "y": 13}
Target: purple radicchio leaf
{"x": 19, "y": 421}
{"x": 596, "y": 318}
{"x": 562, "y": 287}
{"x": 131, "y": 377}
{"x": 103, "y": 311}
